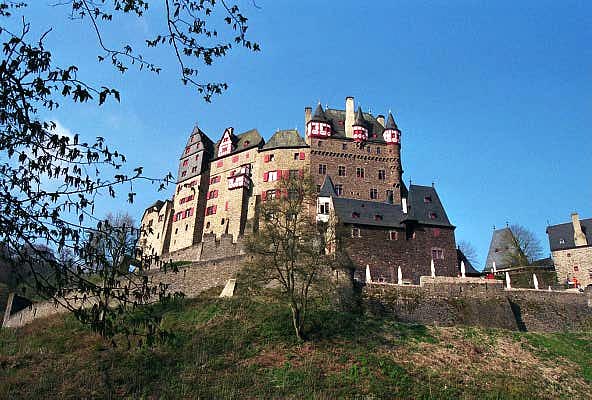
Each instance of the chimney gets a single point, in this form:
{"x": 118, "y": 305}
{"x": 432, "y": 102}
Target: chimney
{"x": 380, "y": 119}
{"x": 307, "y": 114}
{"x": 349, "y": 116}
{"x": 579, "y": 237}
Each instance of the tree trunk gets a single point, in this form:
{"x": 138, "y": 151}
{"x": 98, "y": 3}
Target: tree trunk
{"x": 297, "y": 321}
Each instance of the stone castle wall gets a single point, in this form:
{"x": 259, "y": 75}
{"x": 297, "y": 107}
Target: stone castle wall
{"x": 576, "y": 262}
{"x": 472, "y": 301}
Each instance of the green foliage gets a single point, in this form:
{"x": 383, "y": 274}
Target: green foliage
{"x": 245, "y": 348}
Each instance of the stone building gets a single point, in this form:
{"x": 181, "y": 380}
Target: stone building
{"x": 355, "y": 159}
{"x": 571, "y": 250}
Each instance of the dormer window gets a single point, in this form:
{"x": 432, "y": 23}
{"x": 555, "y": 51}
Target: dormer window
{"x": 378, "y": 217}
{"x": 355, "y": 214}
{"x": 433, "y": 215}
{"x": 355, "y": 232}
{"x": 561, "y": 241}
{"x": 246, "y": 143}
{"x": 427, "y": 199}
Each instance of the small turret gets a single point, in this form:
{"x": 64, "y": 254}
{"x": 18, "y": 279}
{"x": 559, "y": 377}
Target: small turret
{"x": 391, "y": 134}
{"x": 319, "y": 125}
{"x": 360, "y": 127}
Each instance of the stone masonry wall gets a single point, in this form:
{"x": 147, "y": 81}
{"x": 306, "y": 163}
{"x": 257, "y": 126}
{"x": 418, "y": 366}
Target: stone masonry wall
{"x": 472, "y": 301}
{"x": 384, "y": 256}
{"x": 572, "y": 263}
{"x": 372, "y": 157}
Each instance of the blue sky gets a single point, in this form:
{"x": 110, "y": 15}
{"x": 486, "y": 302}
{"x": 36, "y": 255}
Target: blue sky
{"x": 493, "y": 98}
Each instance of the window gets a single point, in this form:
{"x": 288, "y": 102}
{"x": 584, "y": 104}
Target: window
{"x": 246, "y": 143}
{"x": 393, "y": 235}
{"x": 324, "y": 208}
{"x": 318, "y": 188}
{"x": 183, "y": 173}
{"x": 368, "y": 149}
{"x": 590, "y": 273}
{"x": 436, "y": 232}
{"x": 208, "y": 225}
{"x": 235, "y": 159}
{"x": 187, "y": 149}
{"x": 158, "y": 235}
{"x": 378, "y": 150}
{"x": 220, "y": 164}
{"x": 373, "y": 193}
{"x": 433, "y": 215}
{"x": 561, "y": 241}
{"x": 359, "y": 172}
{"x": 355, "y": 214}
{"x": 378, "y": 217}
{"x": 294, "y": 174}
{"x": 271, "y": 176}
{"x": 319, "y": 143}
{"x": 355, "y": 232}
{"x": 185, "y": 162}
{"x": 271, "y": 194}
{"x": 427, "y": 199}
{"x": 214, "y": 179}
{"x": 381, "y": 174}
{"x": 296, "y": 156}
{"x": 341, "y": 170}
{"x": 576, "y": 268}
{"x": 212, "y": 194}
{"x": 188, "y": 213}
{"x": 194, "y": 169}
{"x": 437, "y": 254}
{"x": 338, "y": 190}
{"x": 178, "y": 216}
{"x": 271, "y": 157}
{"x": 389, "y": 196}
{"x": 186, "y": 226}
{"x": 322, "y": 169}
{"x": 211, "y": 210}
{"x": 343, "y": 146}
{"x": 222, "y": 221}
{"x": 160, "y": 218}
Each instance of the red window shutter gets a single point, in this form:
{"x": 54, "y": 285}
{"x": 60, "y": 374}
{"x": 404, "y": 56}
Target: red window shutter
{"x": 286, "y": 174}
{"x": 175, "y": 218}
{"x": 216, "y": 193}
{"x": 265, "y": 176}
{"x": 264, "y": 195}
{"x": 191, "y": 211}
{"x": 300, "y": 173}
{"x": 285, "y": 194}
{"x": 266, "y": 158}
{"x": 235, "y": 159}
{"x": 302, "y": 155}
{"x": 215, "y": 207}
{"x": 226, "y": 206}
{"x": 278, "y": 193}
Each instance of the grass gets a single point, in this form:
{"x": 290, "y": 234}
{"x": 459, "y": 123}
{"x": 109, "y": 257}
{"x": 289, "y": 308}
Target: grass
{"x": 245, "y": 348}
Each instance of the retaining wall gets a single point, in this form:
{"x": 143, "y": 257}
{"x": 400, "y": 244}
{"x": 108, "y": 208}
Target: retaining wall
{"x": 473, "y": 301}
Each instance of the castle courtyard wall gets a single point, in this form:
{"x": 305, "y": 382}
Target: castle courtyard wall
{"x": 575, "y": 262}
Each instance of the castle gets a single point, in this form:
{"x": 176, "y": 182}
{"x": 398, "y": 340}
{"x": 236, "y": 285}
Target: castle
{"x": 354, "y": 158}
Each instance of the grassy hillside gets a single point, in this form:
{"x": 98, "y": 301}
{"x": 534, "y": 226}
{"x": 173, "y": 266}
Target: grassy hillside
{"x": 244, "y": 348}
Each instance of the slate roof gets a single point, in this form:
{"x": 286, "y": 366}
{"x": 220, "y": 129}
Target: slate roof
{"x": 327, "y": 188}
{"x": 566, "y": 232}
{"x": 319, "y": 114}
{"x": 425, "y": 207}
{"x": 499, "y": 249}
{"x": 285, "y": 139}
{"x": 390, "y": 122}
{"x": 245, "y": 140}
{"x": 337, "y": 120}
{"x": 360, "y": 121}
{"x": 363, "y": 212}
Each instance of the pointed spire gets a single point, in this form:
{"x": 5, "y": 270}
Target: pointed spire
{"x": 327, "y": 189}
{"x": 359, "y": 121}
{"x": 390, "y": 122}
{"x": 319, "y": 114}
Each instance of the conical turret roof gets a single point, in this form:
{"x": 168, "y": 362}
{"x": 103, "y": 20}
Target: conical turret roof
{"x": 360, "y": 121}
{"x": 390, "y": 123}
{"x": 319, "y": 114}
{"x": 327, "y": 189}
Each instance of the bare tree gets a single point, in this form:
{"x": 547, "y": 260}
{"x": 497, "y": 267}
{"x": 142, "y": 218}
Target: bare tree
{"x": 469, "y": 252}
{"x": 49, "y": 181}
{"x": 289, "y": 249}
{"x": 524, "y": 246}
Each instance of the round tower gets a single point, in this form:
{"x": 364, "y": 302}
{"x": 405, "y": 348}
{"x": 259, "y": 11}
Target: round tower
{"x": 391, "y": 134}
{"x": 359, "y": 127}
{"x": 318, "y": 126}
